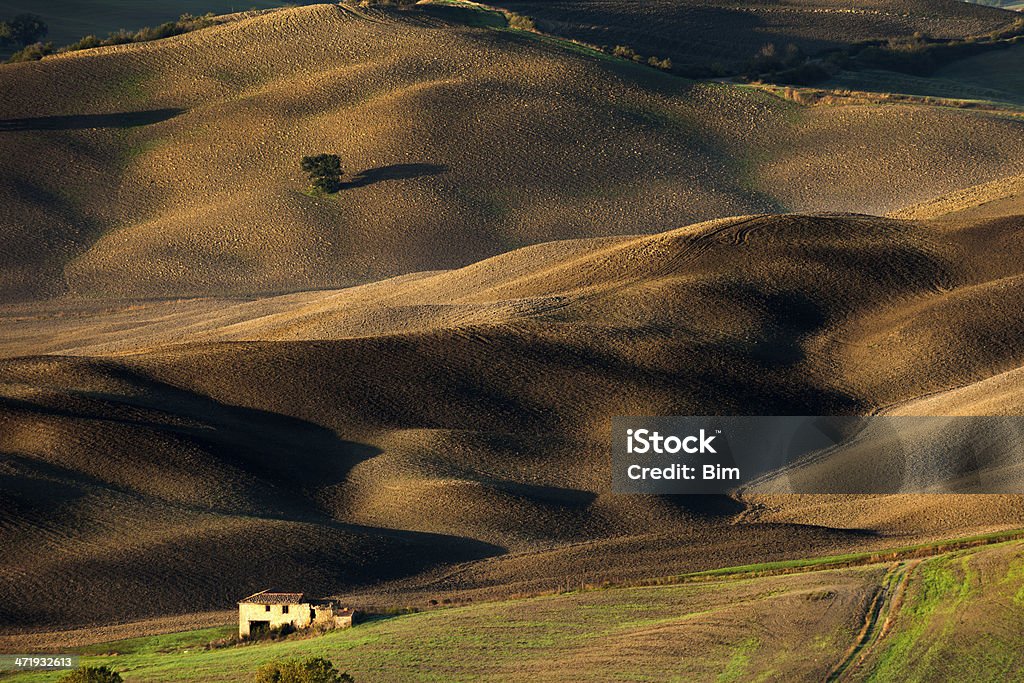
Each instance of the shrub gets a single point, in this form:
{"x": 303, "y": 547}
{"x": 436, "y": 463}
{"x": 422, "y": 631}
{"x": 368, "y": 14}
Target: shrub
{"x": 807, "y": 73}
{"x": 387, "y": 3}
{"x": 32, "y": 52}
{"x": 626, "y": 52}
{"x": 91, "y": 674}
{"x": 184, "y": 24}
{"x": 120, "y": 37}
{"x": 767, "y": 58}
{"x": 83, "y": 44}
{"x": 324, "y": 171}
{"x": 520, "y": 22}
{"x": 312, "y": 670}
{"x": 663, "y": 64}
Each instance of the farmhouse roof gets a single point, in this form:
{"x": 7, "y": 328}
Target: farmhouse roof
{"x": 269, "y": 597}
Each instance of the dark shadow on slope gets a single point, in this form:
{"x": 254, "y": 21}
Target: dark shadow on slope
{"x": 199, "y": 556}
{"x": 394, "y": 172}
{"x": 125, "y": 119}
{"x": 279, "y": 461}
{"x": 466, "y": 16}
{"x": 183, "y": 560}
{"x": 706, "y": 505}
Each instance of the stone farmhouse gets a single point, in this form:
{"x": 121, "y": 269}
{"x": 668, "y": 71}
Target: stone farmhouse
{"x": 271, "y": 609}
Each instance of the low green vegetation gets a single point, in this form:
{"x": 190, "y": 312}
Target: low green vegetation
{"x": 736, "y": 667}
{"x": 184, "y": 24}
{"x": 92, "y": 674}
{"x": 848, "y": 560}
{"x": 997, "y": 3}
{"x": 626, "y": 52}
{"x": 942, "y": 587}
{"x": 938, "y": 610}
{"x": 164, "y": 643}
{"x": 309, "y": 670}
{"x": 889, "y": 85}
{"x": 474, "y": 14}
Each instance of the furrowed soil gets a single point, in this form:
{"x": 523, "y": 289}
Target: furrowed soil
{"x": 212, "y": 382}
{"x": 459, "y": 142}
{"x": 291, "y": 440}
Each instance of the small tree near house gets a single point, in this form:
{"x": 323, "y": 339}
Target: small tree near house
{"x": 324, "y": 171}
{"x": 312, "y": 670}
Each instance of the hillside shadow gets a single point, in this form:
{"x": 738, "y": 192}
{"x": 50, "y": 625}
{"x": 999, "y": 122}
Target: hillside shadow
{"x": 282, "y": 458}
{"x": 394, "y": 172}
{"x": 125, "y": 119}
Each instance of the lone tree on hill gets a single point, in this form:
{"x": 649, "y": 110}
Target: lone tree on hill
{"x": 324, "y": 171}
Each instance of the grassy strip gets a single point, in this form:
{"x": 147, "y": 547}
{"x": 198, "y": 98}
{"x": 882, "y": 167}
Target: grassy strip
{"x": 502, "y": 19}
{"x": 159, "y": 644}
{"x": 812, "y": 97}
{"x": 840, "y": 561}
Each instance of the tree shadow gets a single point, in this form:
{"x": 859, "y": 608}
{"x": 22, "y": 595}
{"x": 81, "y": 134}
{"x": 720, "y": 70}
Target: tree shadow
{"x": 125, "y": 119}
{"x": 394, "y": 172}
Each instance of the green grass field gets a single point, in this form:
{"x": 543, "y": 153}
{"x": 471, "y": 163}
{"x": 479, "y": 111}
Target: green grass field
{"x": 951, "y": 616}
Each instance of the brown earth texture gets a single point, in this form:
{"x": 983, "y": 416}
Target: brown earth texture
{"x": 212, "y": 381}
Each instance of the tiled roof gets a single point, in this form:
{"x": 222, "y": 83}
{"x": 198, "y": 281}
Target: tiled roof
{"x": 269, "y": 597}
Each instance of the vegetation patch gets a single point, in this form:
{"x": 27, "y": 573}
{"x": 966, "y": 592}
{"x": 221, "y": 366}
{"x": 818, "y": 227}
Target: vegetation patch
{"x": 842, "y": 561}
{"x": 324, "y": 171}
{"x": 917, "y": 54}
{"x": 813, "y": 97}
{"x": 294, "y": 670}
{"x": 92, "y": 674}
{"x": 184, "y": 24}
{"x": 21, "y": 31}
{"x": 520, "y": 22}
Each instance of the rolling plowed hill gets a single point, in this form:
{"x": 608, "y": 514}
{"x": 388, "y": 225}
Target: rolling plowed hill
{"x": 171, "y": 168}
{"x": 287, "y": 438}
{"x": 209, "y": 409}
